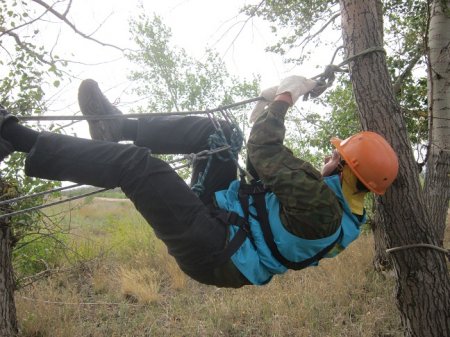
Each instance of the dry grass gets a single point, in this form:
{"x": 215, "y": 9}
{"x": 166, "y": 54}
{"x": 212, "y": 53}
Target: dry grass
{"x": 140, "y": 291}
{"x": 139, "y": 285}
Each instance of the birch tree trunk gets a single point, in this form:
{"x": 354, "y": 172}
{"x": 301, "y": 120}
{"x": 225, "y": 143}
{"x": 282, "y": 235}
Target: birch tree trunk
{"x": 8, "y": 320}
{"x": 423, "y": 282}
{"x": 437, "y": 178}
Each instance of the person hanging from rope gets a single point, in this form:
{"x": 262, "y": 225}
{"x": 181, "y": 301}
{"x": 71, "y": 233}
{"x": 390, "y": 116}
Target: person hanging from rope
{"x": 235, "y": 233}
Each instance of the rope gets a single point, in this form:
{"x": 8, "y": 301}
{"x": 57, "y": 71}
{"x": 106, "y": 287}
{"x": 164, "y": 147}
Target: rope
{"x": 193, "y": 157}
{"x": 420, "y": 245}
{"x": 338, "y": 68}
{"x": 218, "y": 140}
{"x": 364, "y": 52}
{"x": 9, "y": 201}
{"x": 215, "y": 141}
{"x": 108, "y": 117}
{"x": 326, "y": 79}
{"x": 35, "y": 208}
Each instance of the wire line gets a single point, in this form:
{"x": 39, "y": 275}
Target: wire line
{"x": 107, "y": 117}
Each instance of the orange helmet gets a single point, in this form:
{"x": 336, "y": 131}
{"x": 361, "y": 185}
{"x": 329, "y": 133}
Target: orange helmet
{"x": 371, "y": 159}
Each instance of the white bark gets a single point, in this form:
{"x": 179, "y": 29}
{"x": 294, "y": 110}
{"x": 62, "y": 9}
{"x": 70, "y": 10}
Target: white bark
{"x": 437, "y": 181}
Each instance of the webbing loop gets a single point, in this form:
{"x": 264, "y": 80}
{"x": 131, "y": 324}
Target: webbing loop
{"x": 420, "y": 245}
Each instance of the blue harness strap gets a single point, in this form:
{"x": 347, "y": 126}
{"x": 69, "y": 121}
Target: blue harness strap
{"x": 257, "y": 191}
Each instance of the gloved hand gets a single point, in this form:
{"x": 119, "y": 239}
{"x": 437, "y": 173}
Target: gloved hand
{"x": 297, "y": 86}
{"x": 268, "y": 95}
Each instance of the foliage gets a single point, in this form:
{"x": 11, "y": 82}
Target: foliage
{"x": 171, "y": 80}
{"x": 37, "y": 253}
{"x": 25, "y": 68}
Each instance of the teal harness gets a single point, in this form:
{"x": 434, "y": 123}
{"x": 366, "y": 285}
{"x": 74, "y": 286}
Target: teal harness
{"x": 260, "y": 246}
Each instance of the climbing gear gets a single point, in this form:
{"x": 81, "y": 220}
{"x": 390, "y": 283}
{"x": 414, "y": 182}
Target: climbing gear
{"x": 326, "y": 79}
{"x": 218, "y": 139}
{"x": 35, "y": 208}
{"x": 38, "y": 194}
{"x": 6, "y": 147}
{"x": 253, "y": 195}
{"x": 257, "y": 191}
{"x": 371, "y": 159}
{"x": 93, "y": 103}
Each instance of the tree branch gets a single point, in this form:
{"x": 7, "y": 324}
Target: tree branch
{"x": 68, "y": 8}
{"x": 407, "y": 71}
{"x": 243, "y": 26}
{"x": 28, "y": 49}
{"x": 63, "y": 17}
{"x": 321, "y": 29}
{"x": 3, "y": 32}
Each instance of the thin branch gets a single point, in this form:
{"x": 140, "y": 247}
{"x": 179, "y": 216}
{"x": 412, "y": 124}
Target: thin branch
{"x": 88, "y": 64}
{"x": 101, "y": 24}
{"x": 28, "y": 49}
{"x": 24, "y": 24}
{"x": 68, "y": 8}
{"x": 243, "y": 26}
{"x": 407, "y": 71}
{"x": 29, "y": 280}
{"x": 63, "y": 18}
{"x": 325, "y": 25}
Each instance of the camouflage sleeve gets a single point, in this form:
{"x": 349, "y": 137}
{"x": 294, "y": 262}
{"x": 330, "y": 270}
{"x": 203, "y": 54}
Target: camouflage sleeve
{"x": 309, "y": 209}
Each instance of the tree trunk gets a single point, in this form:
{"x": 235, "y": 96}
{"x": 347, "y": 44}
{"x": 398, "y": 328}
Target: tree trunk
{"x": 8, "y": 320}
{"x": 437, "y": 178}
{"x": 381, "y": 260}
{"x": 423, "y": 282}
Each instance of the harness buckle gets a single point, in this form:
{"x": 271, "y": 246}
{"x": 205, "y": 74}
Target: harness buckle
{"x": 235, "y": 219}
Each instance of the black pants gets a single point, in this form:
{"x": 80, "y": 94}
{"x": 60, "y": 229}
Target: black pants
{"x": 187, "y": 224}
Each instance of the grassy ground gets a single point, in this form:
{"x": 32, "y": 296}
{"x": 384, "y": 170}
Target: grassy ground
{"x": 117, "y": 280}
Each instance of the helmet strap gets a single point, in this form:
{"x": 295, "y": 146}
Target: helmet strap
{"x": 353, "y": 196}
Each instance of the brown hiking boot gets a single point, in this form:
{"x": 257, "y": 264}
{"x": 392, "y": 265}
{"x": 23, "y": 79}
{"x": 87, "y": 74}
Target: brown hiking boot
{"x": 93, "y": 103}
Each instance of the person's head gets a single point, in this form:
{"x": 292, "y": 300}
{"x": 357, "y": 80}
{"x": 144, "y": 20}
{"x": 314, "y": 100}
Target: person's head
{"x": 370, "y": 158}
